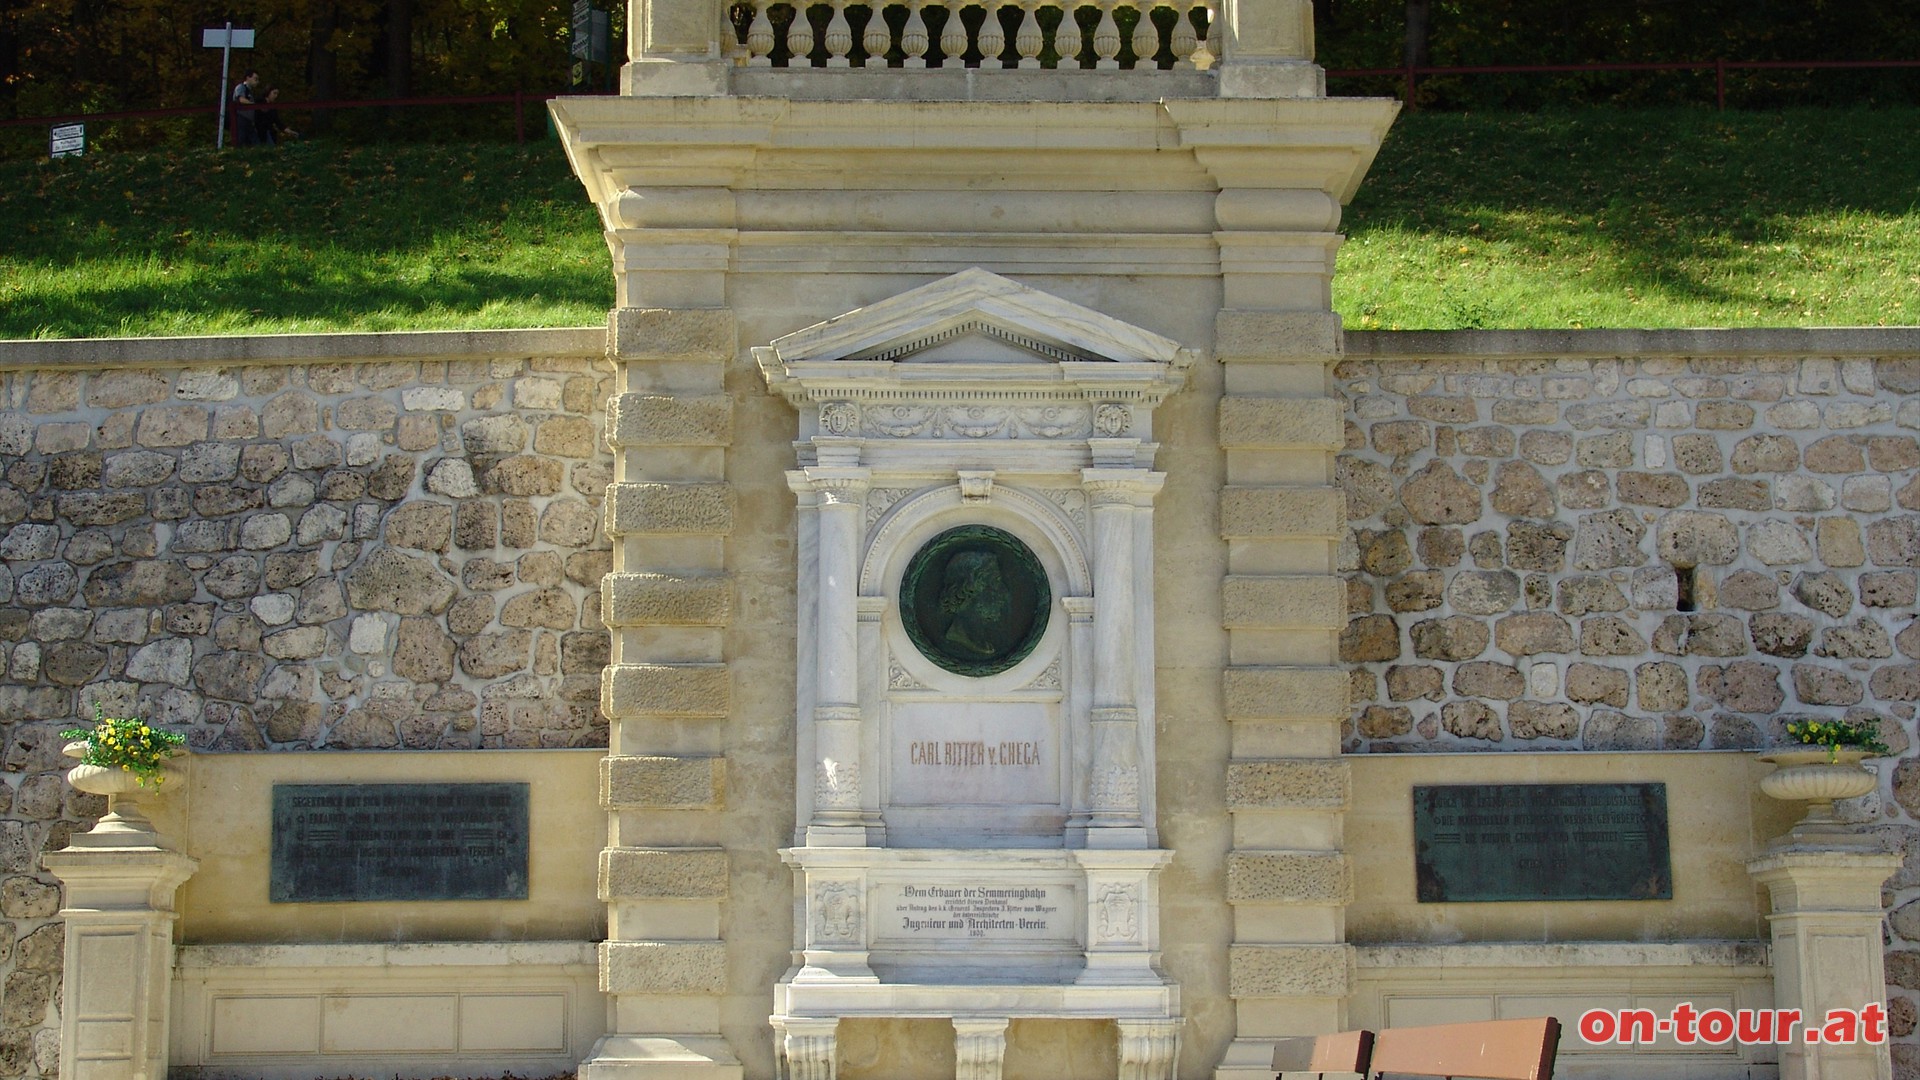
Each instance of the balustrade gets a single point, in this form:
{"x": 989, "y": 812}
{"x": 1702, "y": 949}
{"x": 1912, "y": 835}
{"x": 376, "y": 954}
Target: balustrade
{"x": 1137, "y": 35}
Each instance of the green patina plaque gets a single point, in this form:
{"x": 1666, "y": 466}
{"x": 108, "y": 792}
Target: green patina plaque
{"x": 342, "y": 842}
{"x": 1489, "y": 842}
{"x": 975, "y": 600}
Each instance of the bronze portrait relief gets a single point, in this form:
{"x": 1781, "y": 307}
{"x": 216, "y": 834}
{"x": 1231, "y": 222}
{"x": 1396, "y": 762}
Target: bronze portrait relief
{"x": 975, "y": 600}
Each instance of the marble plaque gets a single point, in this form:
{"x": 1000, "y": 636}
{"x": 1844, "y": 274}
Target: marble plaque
{"x": 1491, "y": 842}
{"x": 399, "y": 842}
{"x": 944, "y": 912}
{"x": 989, "y": 753}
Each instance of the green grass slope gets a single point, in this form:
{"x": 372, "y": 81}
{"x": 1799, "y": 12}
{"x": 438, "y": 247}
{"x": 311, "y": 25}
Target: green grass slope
{"x": 1637, "y": 219}
{"x": 1578, "y": 219}
{"x": 305, "y": 238}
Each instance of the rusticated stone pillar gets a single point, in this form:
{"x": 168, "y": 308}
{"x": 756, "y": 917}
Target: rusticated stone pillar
{"x": 1283, "y": 606}
{"x": 664, "y": 875}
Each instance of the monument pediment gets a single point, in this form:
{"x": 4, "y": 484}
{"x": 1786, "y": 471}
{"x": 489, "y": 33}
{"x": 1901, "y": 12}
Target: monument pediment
{"x": 974, "y": 329}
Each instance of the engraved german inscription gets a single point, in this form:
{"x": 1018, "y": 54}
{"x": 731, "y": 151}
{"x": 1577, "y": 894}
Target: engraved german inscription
{"x": 1494, "y": 842}
{"x": 345, "y": 842}
{"x": 946, "y": 911}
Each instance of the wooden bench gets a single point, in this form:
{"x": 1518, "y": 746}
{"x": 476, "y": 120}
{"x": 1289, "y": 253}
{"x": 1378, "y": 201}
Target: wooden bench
{"x": 1488, "y": 1050}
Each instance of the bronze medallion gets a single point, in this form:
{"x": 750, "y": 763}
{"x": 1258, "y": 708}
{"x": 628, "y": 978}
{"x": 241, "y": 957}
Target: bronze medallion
{"x": 975, "y": 600}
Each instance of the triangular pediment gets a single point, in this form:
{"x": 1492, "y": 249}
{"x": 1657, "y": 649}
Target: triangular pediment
{"x": 975, "y": 317}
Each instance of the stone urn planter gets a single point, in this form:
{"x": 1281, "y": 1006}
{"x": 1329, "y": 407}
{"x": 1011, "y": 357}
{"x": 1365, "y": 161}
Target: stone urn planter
{"x": 1819, "y": 778}
{"x": 124, "y": 825}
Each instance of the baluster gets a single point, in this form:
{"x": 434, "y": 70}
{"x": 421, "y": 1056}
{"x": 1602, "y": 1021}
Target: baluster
{"x": 839, "y": 36}
{"x": 1028, "y": 39}
{"x": 800, "y": 37}
{"x": 760, "y": 37}
{"x": 1106, "y": 38}
{"x": 953, "y": 36}
{"x": 878, "y": 37}
{"x": 992, "y": 39}
{"x": 1207, "y": 53}
{"x": 1066, "y": 36}
{"x": 1146, "y": 38}
{"x": 1183, "y": 41}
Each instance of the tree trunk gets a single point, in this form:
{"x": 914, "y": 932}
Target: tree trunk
{"x": 1419, "y": 14}
{"x": 323, "y": 67}
{"x": 399, "y": 48}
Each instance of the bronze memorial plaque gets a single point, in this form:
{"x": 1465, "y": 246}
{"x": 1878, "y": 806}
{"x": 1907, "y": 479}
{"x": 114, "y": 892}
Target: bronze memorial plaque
{"x": 399, "y": 842}
{"x": 975, "y": 600}
{"x": 1487, "y": 842}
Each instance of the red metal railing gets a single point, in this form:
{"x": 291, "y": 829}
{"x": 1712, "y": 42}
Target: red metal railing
{"x": 519, "y": 99}
{"x": 1410, "y": 75}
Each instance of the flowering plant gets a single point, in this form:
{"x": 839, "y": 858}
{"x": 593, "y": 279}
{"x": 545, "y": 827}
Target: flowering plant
{"x": 1834, "y": 734}
{"x": 127, "y": 743}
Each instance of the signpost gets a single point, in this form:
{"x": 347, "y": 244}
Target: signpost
{"x": 590, "y": 40}
{"x": 67, "y": 140}
{"x": 226, "y": 39}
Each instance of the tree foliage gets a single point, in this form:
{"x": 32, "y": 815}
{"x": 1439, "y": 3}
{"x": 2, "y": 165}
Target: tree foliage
{"x": 69, "y": 56}
{"x": 1469, "y": 33}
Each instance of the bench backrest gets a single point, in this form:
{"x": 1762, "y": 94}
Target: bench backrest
{"x": 1342, "y": 1052}
{"x": 1490, "y": 1050}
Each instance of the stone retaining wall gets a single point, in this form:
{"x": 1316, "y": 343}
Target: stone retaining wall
{"x": 1626, "y": 541}
{"x": 366, "y": 542}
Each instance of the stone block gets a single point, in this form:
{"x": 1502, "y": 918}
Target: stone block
{"x": 669, "y": 508}
{"x": 666, "y": 600}
{"x": 1285, "y": 693}
{"x": 1383, "y": 721}
{"x": 684, "y": 690}
{"x": 671, "y": 334}
{"x": 1289, "y": 970}
{"x": 663, "y": 967}
{"x": 1311, "y": 602}
{"x": 663, "y": 783}
{"x": 1288, "y": 877}
{"x": 663, "y": 874}
{"x": 1264, "y": 513}
{"x": 1370, "y": 639}
{"x": 1274, "y": 335}
{"x": 1436, "y": 495}
{"x": 1275, "y": 423}
{"x": 1289, "y": 784}
{"x": 662, "y": 420}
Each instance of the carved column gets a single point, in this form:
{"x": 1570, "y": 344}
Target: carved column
{"x": 1114, "y": 785}
{"x": 841, "y": 505}
{"x": 810, "y": 1049}
{"x": 979, "y": 1045}
{"x": 1149, "y": 1049}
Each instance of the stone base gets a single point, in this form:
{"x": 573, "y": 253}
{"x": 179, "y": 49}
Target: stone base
{"x": 1246, "y": 1059}
{"x": 661, "y": 1057}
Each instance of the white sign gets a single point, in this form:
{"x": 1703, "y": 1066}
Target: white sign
{"x": 67, "y": 140}
{"x": 227, "y": 38}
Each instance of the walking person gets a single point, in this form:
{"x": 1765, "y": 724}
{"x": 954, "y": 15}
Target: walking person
{"x": 244, "y": 131}
{"x": 266, "y": 119}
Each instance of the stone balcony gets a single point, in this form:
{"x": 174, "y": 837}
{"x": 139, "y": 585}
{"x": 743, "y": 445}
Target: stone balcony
{"x": 999, "y": 50}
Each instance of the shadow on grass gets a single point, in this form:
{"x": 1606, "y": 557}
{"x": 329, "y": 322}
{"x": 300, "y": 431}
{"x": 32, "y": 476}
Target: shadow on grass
{"x": 117, "y": 244}
{"x": 1684, "y": 202}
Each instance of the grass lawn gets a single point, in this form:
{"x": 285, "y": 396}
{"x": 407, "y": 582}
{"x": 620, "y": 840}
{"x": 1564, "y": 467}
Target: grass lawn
{"x": 305, "y": 238}
{"x": 1583, "y": 218}
{"x": 1637, "y": 219}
